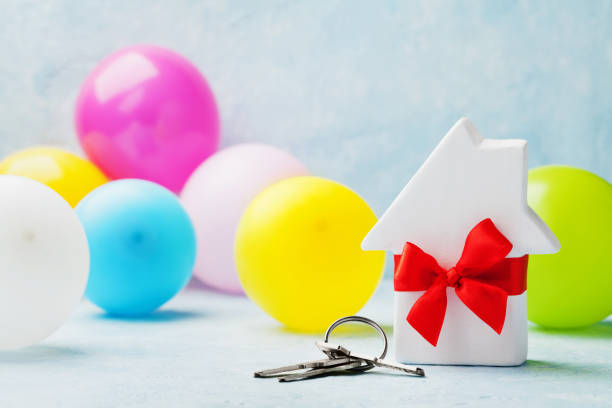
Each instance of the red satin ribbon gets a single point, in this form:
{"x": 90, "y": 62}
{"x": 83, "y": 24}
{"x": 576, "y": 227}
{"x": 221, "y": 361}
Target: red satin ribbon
{"x": 483, "y": 279}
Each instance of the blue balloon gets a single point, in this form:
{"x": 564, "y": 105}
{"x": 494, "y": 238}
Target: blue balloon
{"x": 142, "y": 246}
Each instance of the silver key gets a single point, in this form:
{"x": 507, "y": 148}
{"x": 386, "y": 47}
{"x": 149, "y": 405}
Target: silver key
{"x": 340, "y": 359}
{"x": 318, "y": 372}
{"x": 337, "y": 351}
{"x": 315, "y": 364}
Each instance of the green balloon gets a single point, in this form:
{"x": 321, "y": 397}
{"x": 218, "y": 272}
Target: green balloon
{"x": 572, "y": 288}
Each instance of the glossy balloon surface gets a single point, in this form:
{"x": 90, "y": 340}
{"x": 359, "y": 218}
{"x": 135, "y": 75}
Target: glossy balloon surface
{"x": 69, "y": 175}
{"x": 142, "y": 246}
{"x": 45, "y": 261}
{"x": 573, "y": 287}
{"x": 299, "y": 256}
{"x": 146, "y": 112}
{"x": 217, "y": 194}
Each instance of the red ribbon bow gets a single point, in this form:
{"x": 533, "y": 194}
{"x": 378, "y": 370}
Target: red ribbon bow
{"x": 483, "y": 279}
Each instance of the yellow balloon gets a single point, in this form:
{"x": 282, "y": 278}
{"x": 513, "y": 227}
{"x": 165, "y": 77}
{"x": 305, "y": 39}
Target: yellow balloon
{"x": 298, "y": 252}
{"x": 69, "y": 175}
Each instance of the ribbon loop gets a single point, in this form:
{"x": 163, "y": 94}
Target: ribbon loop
{"x": 483, "y": 279}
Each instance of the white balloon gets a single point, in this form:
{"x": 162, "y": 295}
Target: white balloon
{"x": 44, "y": 261}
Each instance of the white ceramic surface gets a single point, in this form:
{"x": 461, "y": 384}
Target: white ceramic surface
{"x": 465, "y": 180}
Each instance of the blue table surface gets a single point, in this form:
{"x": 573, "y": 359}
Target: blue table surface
{"x": 201, "y": 350}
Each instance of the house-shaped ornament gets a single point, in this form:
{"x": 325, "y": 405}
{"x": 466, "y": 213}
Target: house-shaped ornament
{"x": 466, "y": 182}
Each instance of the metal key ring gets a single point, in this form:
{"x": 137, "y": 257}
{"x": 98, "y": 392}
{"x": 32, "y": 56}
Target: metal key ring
{"x": 369, "y": 322}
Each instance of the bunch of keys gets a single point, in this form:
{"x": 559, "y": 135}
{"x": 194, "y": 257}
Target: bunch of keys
{"x": 339, "y": 359}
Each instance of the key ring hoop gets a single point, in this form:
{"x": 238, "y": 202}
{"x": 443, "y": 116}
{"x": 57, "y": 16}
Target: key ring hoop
{"x": 360, "y": 319}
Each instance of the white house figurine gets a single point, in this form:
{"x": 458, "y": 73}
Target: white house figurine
{"x": 467, "y": 184}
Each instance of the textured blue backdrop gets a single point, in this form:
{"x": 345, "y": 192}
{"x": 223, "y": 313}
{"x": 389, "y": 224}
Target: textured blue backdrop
{"x": 361, "y": 91}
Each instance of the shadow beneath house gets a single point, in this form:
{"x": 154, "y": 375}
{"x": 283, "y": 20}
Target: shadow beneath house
{"x": 541, "y": 368}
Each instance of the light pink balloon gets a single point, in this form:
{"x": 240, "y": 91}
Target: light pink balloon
{"x": 146, "y": 112}
{"x": 216, "y": 195}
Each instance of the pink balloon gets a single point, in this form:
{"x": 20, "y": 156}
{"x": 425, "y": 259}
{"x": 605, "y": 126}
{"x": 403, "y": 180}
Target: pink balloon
{"x": 216, "y": 195}
{"x": 146, "y": 112}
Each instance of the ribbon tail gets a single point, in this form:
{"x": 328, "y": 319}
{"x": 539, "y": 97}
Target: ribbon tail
{"x": 486, "y": 301}
{"x": 427, "y": 314}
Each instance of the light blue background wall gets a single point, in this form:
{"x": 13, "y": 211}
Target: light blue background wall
{"x": 361, "y": 91}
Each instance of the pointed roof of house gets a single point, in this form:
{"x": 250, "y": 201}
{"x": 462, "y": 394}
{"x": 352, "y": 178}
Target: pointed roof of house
{"x": 465, "y": 180}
